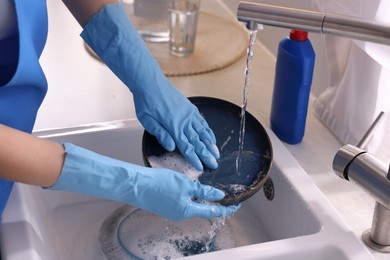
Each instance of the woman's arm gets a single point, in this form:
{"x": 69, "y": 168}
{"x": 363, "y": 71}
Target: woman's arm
{"x": 29, "y": 159}
{"x": 83, "y": 10}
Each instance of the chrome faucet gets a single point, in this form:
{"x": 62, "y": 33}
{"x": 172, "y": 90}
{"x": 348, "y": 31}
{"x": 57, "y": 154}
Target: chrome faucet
{"x": 355, "y": 164}
{"x": 311, "y": 21}
{"x": 351, "y": 162}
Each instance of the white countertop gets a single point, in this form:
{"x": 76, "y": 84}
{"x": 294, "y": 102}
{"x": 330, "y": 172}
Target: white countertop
{"x": 83, "y": 91}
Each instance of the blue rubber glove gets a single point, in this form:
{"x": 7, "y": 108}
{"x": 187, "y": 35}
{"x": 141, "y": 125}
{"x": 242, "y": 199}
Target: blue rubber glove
{"x": 162, "y": 110}
{"x": 161, "y": 191}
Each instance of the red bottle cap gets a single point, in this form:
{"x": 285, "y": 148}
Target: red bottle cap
{"x": 298, "y": 35}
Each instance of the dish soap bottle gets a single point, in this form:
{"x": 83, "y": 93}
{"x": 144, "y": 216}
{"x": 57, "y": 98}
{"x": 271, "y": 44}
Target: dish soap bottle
{"x": 293, "y": 78}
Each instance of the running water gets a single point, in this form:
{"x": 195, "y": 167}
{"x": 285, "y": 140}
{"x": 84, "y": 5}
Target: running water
{"x": 216, "y": 225}
{"x": 249, "y": 58}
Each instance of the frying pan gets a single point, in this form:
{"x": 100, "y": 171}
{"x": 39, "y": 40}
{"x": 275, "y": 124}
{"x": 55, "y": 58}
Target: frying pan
{"x": 224, "y": 119}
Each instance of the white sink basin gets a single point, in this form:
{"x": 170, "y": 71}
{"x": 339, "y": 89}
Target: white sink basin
{"x": 298, "y": 223}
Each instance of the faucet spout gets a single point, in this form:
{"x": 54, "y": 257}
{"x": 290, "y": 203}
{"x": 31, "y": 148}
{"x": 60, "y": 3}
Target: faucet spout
{"x": 312, "y": 21}
{"x": 251, "y": 25}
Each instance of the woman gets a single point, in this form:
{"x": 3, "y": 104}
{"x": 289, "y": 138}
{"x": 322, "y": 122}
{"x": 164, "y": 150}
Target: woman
{"x": 28, "y": 159}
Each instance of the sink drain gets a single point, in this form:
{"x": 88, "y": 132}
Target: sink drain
{"x": 269, "y": 189}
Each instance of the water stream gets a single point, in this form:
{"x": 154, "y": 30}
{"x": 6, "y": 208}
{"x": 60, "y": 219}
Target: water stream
{"x": 219, "y": 223}
{"x": 216, "y": 225}
{"x": 249, "y": 58}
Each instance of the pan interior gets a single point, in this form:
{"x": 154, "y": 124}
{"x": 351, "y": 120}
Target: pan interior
{"x": 224, "y": 119}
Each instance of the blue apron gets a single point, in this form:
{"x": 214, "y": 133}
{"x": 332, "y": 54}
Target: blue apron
{"x": 22, "y": 82}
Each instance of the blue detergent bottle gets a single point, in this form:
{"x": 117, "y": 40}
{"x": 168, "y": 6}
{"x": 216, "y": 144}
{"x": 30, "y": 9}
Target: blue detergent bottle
{"x": 293, "y": 79}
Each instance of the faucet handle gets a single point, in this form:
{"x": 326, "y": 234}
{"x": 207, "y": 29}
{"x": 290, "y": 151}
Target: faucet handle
{"x": 370, "y": 132}
{"x": 388, "y": 173}
{"x": 368, "y": 135}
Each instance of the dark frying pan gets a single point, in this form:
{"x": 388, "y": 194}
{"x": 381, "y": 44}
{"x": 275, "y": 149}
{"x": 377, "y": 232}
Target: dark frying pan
{"x": 224, "y": 119}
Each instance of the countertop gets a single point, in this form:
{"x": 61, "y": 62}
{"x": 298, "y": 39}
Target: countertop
{"x": 83, "y": 91}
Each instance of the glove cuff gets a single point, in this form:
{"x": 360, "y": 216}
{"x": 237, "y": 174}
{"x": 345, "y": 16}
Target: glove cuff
{"x": 90, "y": 173}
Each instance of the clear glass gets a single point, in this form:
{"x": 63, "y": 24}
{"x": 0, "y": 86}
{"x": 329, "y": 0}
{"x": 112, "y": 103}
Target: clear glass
{"x": 150, "y": 18}
{"x": 183, "y": 21}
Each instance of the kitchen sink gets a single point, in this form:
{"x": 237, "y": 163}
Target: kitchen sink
{"x": 288, "y": 218}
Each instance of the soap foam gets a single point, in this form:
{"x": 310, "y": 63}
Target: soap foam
{"x": 175, "y": 162}
{"x": 148, "y": 236}
{"x": 170, "y": 245}
{"x": 235, "y": 189}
